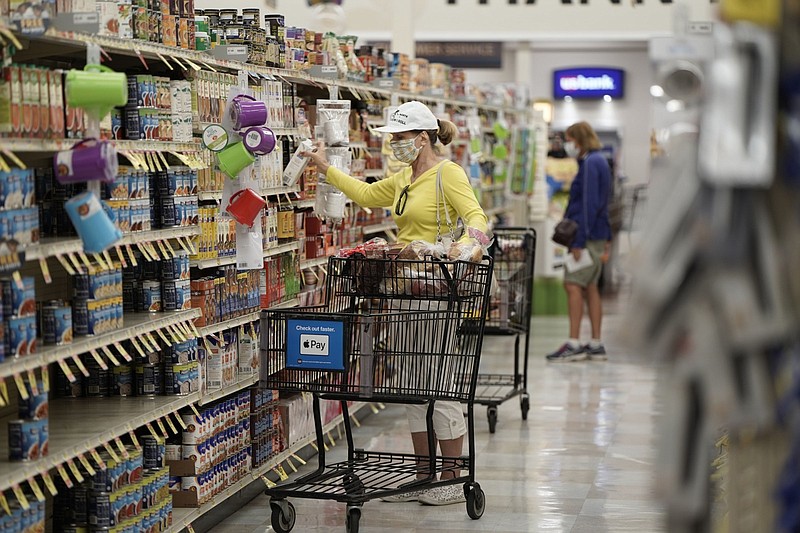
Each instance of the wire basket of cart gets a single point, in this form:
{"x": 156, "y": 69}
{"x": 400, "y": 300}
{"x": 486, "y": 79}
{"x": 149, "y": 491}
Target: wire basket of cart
{"x": 513, "y": 252}
{"x": 391, "y": 331}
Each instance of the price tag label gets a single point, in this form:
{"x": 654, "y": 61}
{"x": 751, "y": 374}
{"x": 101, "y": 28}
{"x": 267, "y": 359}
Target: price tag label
{"x": 21, "y": 388}
{"x": 76, "y": 471}
{"x": 23, "y": 501}
{"x": 17, "y": 277}
{"x": 170, "y": 424}
{"x": 299, "y": 459}
{"x": 145, "y": 343}
{"x": 134, "y": 440}
{"x": 36, "y": 489}
{"x": 291, "y": 464}
{"x": 100, "y": 360}
{"x": 79, "y": 363}
{"x": 122, "y": 351}
{"x": 98, "y": 460}
{"x": 100, "y": 261}
{"x": 267, "y": 482}
{"x": 3, "y": 393}
{"x": 75, "y": 263}
{"x": 163, "y": 337}
{"x": 87, "y": 465}
{"x": 121, "y": 447}
{"x": 152, "y": 431}
{"x": 162, "y": 428}
{"x": 64, "y": 476}
{"x": 196, "y": 412}
{"x": 109, "y": 261}
{"x": 48, "y": 482}
{"x": 131, "y": 255}
{"x": 65, "y": 264}
{"x": 34, "y": 383}
{"x": 180, "y": 420}
{"x": 107, "y": 351}
{"x": 137, "y": 347}
{"x": 153, "y": 340}
{"x": 4, "y": 503}
{"x": 89, "y": 267}
{"x": 189, "y": 528}
{"x": 111, "y": 451}
{"x": 45, "y": 379}
{"x": 281, "y": 473}
{"x": 121, "y": 257}
{"x": 162, "y": 248}
{"x": 45, "y": 270}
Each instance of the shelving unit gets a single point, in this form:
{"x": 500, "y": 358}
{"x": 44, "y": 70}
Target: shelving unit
{"x": 80, "y": 426}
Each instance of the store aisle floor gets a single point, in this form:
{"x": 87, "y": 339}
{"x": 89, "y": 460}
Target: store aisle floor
{"x": 583, "y": 462}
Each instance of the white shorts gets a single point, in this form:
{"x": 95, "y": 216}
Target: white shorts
{"x": 448, "y": 419}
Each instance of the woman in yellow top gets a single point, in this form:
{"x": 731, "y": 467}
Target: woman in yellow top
{"x": 411, "y": 193}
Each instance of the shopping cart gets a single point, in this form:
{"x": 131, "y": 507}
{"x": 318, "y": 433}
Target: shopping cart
{"x": 394, "y": 332}
{"x": 510, "y": 314}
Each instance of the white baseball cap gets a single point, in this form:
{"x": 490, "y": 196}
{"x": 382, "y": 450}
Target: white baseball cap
{"x": 411, "y": 116}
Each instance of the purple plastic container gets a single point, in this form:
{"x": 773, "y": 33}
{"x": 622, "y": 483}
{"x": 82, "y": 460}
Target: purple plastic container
{"x": 259, "y": 140}
{"x": 246, "y": 111}
{"x": 89, "y": 160}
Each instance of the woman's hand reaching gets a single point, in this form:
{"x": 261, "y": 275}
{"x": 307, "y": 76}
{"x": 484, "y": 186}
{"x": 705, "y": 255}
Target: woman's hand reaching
{"x": 317, "y": 156}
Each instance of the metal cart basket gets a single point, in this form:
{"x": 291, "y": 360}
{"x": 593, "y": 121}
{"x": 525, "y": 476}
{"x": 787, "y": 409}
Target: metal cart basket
{"x": 392, "y": 331}
{"x": 513, "y": 252}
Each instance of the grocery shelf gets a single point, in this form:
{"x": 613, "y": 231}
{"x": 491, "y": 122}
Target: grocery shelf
{"x": 80, "y": 425}
{"x": 56, "y": 246}
{"x": 181, "y": 518}
{"x": 135, "y": 324}
{"x": 206, "y": 196}
{"x": 311, "y": 263}
{"x": 231, "y": 260}
{"x": 244, "y": 319}
{"x": 304, "y": 204}
{"x": 62, "y": 42}
{"x": 55, "y": 145}
{"x": 378, "y": 228}
{"x": 272, "y": 191}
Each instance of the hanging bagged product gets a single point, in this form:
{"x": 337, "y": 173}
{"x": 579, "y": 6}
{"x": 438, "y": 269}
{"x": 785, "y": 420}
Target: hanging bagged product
{"x": 92, "y": 222}
{"x": 89, "y": 160}
{"x": 334, "y": 118}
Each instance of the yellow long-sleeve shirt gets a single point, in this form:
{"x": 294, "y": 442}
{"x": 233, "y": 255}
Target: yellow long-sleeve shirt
{"x": 418, "y": 221}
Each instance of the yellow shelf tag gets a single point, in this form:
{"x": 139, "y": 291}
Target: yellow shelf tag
{"x": 137, "y": 346}
{"x": 131, "y": 255}
{"x": 180, "y": 420}
{"x": 98, "y": 460}
{"x": 299, "y": 459}
{"x": 196, "y": 412}
{"x": 121, "y": 257}
{"x": 122, "y": 351}
{"x": 111, "y": 451}
{"x": 153, "y": 340}
{"x": 267, "y": 482}
{"x": 64, "y": 476}
{"x": 86, "y": 464}
{"x": 152, "y": 431}
{"x": 109, "y": 261}
{"x": 100, "y": 261}
{"x": 34, "y": 383}
{"x": 45, "y": 270}
{"x": 134, "y": 440}
{"x": 75, "y": 470}
{"x": 170, "y": 424}
{"x": 45, "y": 379}
{"x": 107, "y": 351}
{"x": 4, "y": 503}
{"x": 89, "y": 266}
{"x": 79, "y": 363}
{"x": 3, "y": 392}
{"x": 65, "y": 264}
{"x": 162, "y": 428}
{"x": 66, "y": 370}
{"x": 23, "y": 501}
{"x": 17, "y": 277}
{"x": 100, "y": 360}
{"x": 48, "y": 482}
{"x": 291, "y": 465}
{"x": 189, "y": 528}
{"x": 37, "y": 490}
{"x": 163, "y": 337}
{"x": 121, "y": 447}
{"x": 21, "y": 388}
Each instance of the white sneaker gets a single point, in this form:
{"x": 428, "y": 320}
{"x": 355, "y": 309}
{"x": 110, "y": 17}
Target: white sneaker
{"x": 405, "y": 497}
{"x": 443, "y": 495}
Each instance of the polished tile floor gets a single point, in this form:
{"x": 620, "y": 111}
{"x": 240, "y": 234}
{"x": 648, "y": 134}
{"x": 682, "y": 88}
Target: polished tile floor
{"x": 583, "y": 462}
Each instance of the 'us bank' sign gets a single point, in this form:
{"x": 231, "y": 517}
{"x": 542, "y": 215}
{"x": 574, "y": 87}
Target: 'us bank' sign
{"x": 588, "y": 83}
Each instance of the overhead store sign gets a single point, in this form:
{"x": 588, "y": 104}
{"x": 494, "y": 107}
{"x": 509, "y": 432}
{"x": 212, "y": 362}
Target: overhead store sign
{"x": 462, "y": 54}
{"x": 588, "y": 83}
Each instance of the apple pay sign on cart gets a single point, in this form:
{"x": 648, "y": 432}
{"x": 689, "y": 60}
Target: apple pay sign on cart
{"x": 315, "y": 344}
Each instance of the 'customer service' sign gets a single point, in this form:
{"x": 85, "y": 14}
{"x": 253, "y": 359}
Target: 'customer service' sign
{"x": 588, "y": 82}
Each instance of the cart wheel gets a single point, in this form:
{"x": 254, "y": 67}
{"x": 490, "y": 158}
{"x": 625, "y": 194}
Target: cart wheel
{"x": 353, "y": 517}
{"x": 525, "y": 406}
{"x": 283, "y": 517}
{"x": 476, "y": 502}
{"x": 491, "y": 414}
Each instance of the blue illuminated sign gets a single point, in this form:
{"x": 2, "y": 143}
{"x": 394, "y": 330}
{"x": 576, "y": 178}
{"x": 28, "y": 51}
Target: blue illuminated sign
{"x": 315, "y": 344}
{"x": 588, "y": 83}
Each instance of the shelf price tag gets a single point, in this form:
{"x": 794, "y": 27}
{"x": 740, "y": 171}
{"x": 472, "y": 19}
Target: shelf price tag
{"x": 79, "y": 362}
{"x": 75, "y": 263}
{"x": 291, "y": 465}
{"x": 180, "y": 420}
{"x": 152, "y": 430}
{"x": 75, "y": 471}
{"x": 189, "y": 528}
{"x": 4, "y": 503}
{"x": 182, "y": 244}
{"x": 111, "y": 451}
{"x": 131, "y": 255}
{"x": 135, "y": 441}
{"x": 87, "y": 465}
{"x": 162, "y": 248}
{"x": 3, "y": 393}
{"x": 121, "y": 447}
{"x": 100, "y": 261}
{"x": 153, "y": 340}
{"x": 23, "y": 501}
{"x": 21, "y": 388}
{"x": 45, "y": 380}
{"x": 64, "y": 476}
{"x": 107, "y": 351}
{"x": 299, "y": 459}
{"x": 153, "y": 252}
{"x": 175, "y": 333}
{"x": 89, "y": 266}
{"x": 196, "y": 412}
{"x": 121, "y": 257}
{"x": 48, "y": 279}
{"x": 34, "y": 383}
{"x": 98, "y": 460}
{"x": 65, "y": 264}
{"x": 17, "y": 277}
{"x": 170, "y": 424}
{"x": 162, "y": 428}
{"x": 137, "y": 346}
{"x": 144, "y": 252}
{"x": 163, "y": 337}
{"x": 267, "y": 482}
{"x": 99, "y": 359}
{"x": 281, "y": 472}
{"x": 48, "y": 482}
{"x": 123, "y": 352}
{"x": 37, "y": 490}
{"x": 145, "y": 343}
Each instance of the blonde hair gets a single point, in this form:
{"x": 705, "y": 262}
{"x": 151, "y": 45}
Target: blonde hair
{"x": 583, "y": 134}
{"x": 445, "y": 134}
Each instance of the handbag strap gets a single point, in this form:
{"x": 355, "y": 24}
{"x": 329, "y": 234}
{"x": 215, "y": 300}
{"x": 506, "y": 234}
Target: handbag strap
{"x": 440, "y": 193}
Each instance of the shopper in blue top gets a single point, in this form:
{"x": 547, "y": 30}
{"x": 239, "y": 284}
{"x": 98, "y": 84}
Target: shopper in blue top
{"x": 588, "y": 206}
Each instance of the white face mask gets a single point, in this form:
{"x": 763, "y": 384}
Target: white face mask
{"x": 406, "y": 151}
{"x": 571, "y": 149}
